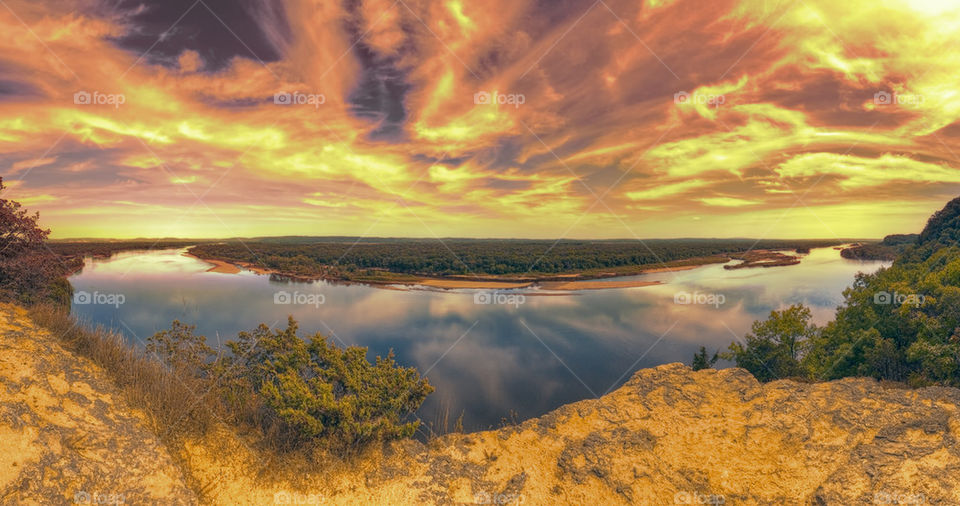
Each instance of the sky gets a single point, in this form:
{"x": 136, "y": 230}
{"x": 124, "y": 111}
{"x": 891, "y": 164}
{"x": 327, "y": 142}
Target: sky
{"x": 500, "y": 118}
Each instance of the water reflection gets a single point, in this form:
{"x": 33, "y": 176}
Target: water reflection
{"x": 487, "y": 361}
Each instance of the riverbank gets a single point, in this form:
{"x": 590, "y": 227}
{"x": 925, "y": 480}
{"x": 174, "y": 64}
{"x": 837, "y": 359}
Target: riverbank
{"x": 407, "y": 265}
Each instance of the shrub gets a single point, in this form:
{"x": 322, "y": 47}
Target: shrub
{"x": 323, "y": 391}
{"x": 301, "y": 391}
{"x": 181, "y": 349}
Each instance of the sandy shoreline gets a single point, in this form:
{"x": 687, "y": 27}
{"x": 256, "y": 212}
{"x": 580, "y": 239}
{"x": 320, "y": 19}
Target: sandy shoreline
{"x": 218, "y": 265}
{"x": 672, "y": 269}
{"x": 595, "y": 285}
{"x": 456, "y": 283}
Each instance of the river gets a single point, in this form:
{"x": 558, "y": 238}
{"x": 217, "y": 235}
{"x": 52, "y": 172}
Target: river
{"x": 490, "y": 358}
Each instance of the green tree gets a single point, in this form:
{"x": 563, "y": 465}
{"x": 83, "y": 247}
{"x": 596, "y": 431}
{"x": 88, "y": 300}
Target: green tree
{"x": 774, "y": 348}
{"x": 701, "y": 360}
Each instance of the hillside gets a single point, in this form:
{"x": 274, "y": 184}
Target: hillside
{"x": 65, "y": 433}
{"x": 669, "y": 435}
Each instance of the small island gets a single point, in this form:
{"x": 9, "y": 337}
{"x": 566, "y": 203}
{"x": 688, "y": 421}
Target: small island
{"x": 764, "y": 258}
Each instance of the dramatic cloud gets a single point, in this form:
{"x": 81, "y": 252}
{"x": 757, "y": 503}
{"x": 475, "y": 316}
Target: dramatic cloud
{"x": 514, "y": 118}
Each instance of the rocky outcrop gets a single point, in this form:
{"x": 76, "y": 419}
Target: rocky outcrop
{"x": 674, "y": 436}
{"x": 668, "y": 436}
{"x": 66, "y": 435}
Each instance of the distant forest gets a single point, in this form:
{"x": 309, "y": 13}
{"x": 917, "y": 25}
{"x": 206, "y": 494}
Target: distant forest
{"x": 467, "y": 257}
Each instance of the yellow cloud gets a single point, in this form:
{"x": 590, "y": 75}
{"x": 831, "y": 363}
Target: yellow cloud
{"x": 859, "y": 172}
{"x": 661, "y": 190}
{"x": 727, "y": 202}
{"x": 597, "y": 103}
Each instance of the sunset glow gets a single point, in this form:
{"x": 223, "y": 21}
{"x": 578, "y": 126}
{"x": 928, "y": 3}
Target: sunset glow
{"x": 501, "y": 118}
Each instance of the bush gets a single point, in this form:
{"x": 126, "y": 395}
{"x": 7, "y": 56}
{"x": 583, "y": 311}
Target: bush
{"x": 301, "y": 391}
{"x": 181, "y": 349}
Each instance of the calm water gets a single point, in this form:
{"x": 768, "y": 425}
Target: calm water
{"x": 485, "y": 360}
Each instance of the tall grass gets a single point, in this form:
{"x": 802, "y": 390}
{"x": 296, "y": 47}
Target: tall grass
{"x": 175, "y": 405}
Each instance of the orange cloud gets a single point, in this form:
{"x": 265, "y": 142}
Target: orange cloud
{"x": 423, "y": 117}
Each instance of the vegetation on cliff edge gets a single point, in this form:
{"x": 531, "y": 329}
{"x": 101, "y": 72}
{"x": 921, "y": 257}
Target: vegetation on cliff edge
{"x": 901, "y": 323}
{"x": 29, "y": 271}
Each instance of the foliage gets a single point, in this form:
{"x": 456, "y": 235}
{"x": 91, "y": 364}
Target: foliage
{"x": 29, "y": 272}
{"x": 701, "y": 360}
{"x": 901, "y": 323}
{"x": 106, "y": 248}
{"x": 774, "y": 348}
{"x": 316, "y": 390}
{"x": 181, "y": 349}
{"x": 897, "y": 239}
{"x": 944, "y": 226}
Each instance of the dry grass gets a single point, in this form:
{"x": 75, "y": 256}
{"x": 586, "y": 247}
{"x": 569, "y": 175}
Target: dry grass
{"x": 175, "y": 405}
{"x": 177, "y": 408}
